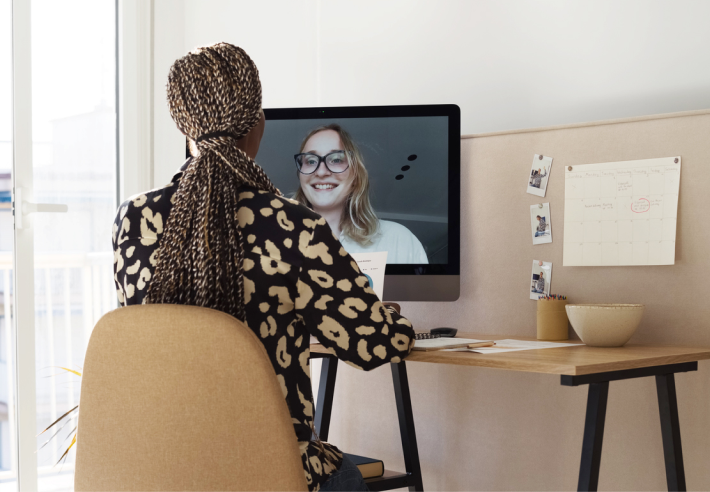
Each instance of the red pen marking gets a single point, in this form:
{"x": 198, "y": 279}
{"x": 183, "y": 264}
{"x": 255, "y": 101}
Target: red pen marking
{"x": 642, "y": 207}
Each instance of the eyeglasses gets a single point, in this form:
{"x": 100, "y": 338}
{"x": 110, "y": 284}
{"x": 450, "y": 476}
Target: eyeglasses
{"x": 335, "y": 162}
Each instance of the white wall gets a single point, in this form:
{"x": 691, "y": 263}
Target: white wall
{"x": 168, "y": 45}
{"x": 279, "y": 36}
{"x": 519, "y": 64}
{"x": 507, "y": 64}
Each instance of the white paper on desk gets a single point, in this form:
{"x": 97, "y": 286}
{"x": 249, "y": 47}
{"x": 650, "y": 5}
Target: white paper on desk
{"x": 621, "y": 213}
{"x": 432, "y": 343}
{"x": 373, "y": 265}
{"x": 509, "y": 345}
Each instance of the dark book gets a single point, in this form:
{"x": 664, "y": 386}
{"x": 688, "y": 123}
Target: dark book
{"x": 369, "y": 467}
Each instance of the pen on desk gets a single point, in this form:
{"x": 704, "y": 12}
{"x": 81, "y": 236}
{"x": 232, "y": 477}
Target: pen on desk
{"x": 481, "y": 344}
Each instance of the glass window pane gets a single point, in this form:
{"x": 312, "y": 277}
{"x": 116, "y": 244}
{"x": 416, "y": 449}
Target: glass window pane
{"x": 8, "y": 431}
{"x": 74, "y": 152}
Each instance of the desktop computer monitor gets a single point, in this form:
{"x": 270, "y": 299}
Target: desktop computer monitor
{"x": 411, "y": 159}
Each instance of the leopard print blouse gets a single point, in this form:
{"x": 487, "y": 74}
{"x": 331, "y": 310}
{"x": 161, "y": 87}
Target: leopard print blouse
{"x": 298, "y": 281}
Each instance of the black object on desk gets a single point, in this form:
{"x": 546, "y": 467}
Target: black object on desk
{"x": 425, "y": 336}
{"x": 444, "y": 332}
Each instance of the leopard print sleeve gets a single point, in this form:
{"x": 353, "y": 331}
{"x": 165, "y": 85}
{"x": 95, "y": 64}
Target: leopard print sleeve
{"x": 136, "y": 232}
{"x": 340, "y": 308}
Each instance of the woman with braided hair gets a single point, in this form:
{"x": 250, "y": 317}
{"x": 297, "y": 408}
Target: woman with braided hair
{"x": 220, "y": 235}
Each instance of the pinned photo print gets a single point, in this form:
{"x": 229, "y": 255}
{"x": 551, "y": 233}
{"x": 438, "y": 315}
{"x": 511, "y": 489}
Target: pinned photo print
{"x": 539, "y": 174}
{"x": 541, "y": 279}
{"x": 541, "y": 223}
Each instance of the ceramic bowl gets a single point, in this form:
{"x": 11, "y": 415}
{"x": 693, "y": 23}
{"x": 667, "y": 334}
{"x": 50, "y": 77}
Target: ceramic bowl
{"x": 605, "y": 325}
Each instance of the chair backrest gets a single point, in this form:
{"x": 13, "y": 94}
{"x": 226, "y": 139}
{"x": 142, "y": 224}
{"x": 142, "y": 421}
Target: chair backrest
{"x": 182, "y": 398}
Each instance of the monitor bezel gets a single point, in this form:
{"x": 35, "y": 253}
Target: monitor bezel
{"x": 453, "y": 113}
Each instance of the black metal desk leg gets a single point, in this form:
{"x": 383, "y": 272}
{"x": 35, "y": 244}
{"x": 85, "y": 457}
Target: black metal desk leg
{"x": 670, "y": 429}
{"x": 324, "y": 402}
{"x": 593, "y": 436}
{"x": 406, "y": 425}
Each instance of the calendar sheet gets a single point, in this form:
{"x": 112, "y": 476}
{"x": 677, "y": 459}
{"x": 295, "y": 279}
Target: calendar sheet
{"x": 621, "y": 213}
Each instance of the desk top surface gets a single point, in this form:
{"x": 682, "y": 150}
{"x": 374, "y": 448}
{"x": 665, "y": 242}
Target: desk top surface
{"x": 573, "y": 361}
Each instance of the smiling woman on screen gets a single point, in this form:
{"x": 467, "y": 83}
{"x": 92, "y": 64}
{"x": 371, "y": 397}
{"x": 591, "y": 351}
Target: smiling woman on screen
{"x": 335, "y": 184}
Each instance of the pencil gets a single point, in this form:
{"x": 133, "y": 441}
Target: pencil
{"x": 481, "y": 344}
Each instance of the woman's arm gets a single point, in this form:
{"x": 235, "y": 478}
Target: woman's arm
{"x": 340, "y": 308}
{"x": 118, "y": 257}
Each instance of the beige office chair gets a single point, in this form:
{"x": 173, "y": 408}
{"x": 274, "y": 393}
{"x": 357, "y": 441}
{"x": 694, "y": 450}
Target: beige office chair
{"x": 182, "y": 398}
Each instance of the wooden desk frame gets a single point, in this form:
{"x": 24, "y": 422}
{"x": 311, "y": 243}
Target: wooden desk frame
{"x": 593, "y": 423}
{"x": 324, "y": 406}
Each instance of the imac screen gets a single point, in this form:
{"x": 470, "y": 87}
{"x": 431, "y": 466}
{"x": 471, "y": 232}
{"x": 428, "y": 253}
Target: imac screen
{"x": 384, "y": 180}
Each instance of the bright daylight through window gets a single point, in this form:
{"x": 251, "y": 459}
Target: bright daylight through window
{"x": 74, "y": 163}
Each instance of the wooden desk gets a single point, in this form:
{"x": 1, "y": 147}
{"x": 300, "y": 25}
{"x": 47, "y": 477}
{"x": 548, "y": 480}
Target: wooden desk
{"x": 594, "y": 366}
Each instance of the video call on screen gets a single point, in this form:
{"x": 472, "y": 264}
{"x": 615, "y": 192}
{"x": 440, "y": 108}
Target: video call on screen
{"x": 407, "y": 162}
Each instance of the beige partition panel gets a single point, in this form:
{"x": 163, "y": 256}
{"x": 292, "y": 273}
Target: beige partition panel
{"x": 486, "y": 429}
{"x": 497, "y": 250}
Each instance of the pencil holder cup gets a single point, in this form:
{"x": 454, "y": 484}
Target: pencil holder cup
{"x": 552, "y": 323}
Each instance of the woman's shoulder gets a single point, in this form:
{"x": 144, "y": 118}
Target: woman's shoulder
{"x": 143, "y": 215}
{"x": 276, "y": 226}
{"x": 162, "y": 195}
{"x": 402, "y": 244}
{"x": 266, "y": 203}
{"x": 157, "y": 201}
{"x": 389, "y": 227}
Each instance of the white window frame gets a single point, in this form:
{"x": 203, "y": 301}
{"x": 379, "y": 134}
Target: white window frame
{"x": 135, "y": 174}
{"x": 135, "y": 96}
{"x": 24, "y": 247}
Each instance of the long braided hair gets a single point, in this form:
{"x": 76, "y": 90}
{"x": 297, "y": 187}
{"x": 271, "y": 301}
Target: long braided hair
{"x": 214, "y": 95}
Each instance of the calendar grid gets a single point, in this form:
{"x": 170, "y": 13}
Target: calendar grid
{"x": 621, "y": 213}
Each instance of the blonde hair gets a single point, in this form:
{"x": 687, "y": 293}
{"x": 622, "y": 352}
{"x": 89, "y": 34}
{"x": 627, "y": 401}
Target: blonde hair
{"x": 360, "y": 222}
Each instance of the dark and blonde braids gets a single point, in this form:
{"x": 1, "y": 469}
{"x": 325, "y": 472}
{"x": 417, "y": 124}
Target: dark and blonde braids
{"x": 214, "y": 96}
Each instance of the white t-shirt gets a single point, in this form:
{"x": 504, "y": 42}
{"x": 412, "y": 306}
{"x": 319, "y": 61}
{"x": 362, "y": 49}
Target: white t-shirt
{"x": 401, "y": 245}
